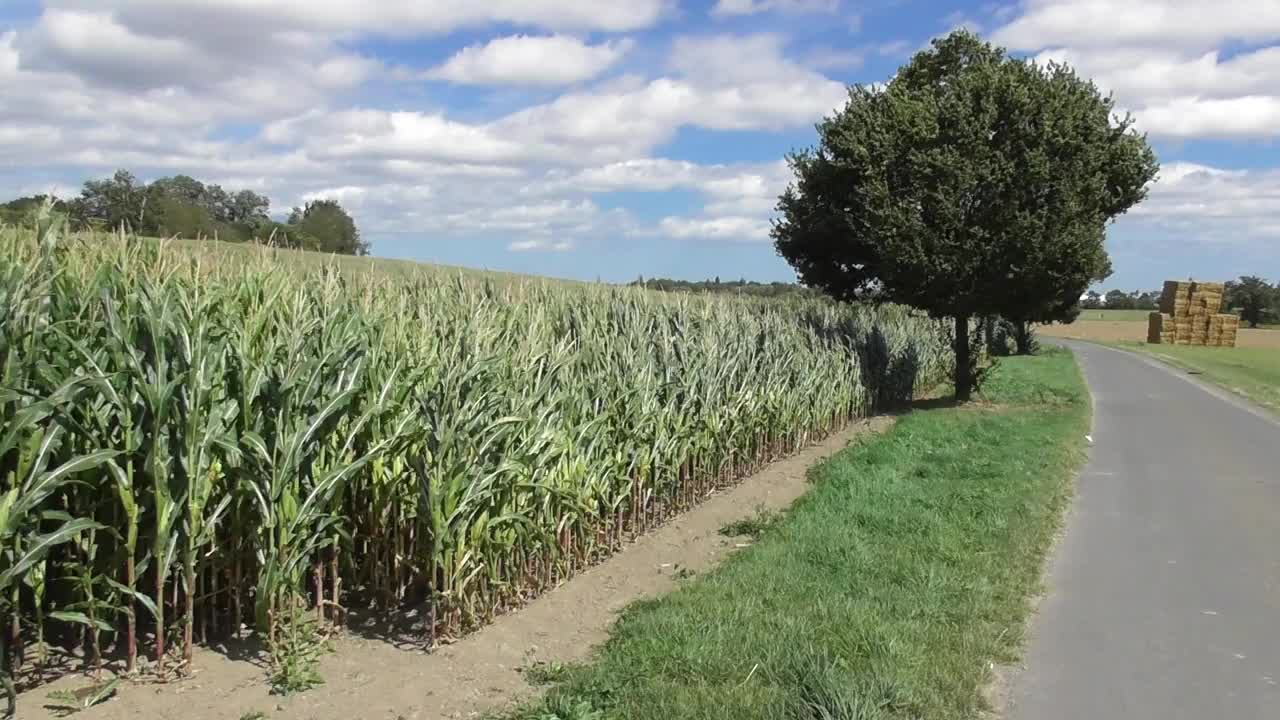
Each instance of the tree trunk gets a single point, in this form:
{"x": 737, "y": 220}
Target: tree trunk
{"x": 1022, "y": 336}
{"x": 964, "y": 374}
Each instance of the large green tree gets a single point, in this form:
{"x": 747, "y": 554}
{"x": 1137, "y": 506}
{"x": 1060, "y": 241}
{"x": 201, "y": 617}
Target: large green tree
{"x": 332, "y": 228}
{"x": 119, "y": 200}
{"x": 1254, "y": 297}
{"x": 970, "y": 184}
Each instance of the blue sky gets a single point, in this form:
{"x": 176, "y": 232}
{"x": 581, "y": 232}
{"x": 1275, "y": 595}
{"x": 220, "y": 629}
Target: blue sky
{"x": 608, "y": 140}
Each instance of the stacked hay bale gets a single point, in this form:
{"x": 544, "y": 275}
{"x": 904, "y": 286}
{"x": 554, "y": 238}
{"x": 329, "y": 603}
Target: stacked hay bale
{"x": 1228, "y": 330}
{"x": 1160, "y": 329}
{"x": 1214, "y": 336}
{"x": 1190, "y": 314}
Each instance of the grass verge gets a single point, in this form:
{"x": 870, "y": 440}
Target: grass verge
{"x": 885, "y": 592}
{"x": 1251, "y": 372}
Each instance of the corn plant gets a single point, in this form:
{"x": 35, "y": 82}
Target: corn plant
{"x": 237, "y": 436}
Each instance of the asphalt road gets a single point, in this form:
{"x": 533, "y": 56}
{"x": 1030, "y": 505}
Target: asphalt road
{"x": 1163, "y": 597}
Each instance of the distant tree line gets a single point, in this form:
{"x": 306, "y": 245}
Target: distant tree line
{"x": 715, "y": 285}
{"x": 186, "y": 207}
{"x": 1121, "y": 300}
{"x": 1256, "y": 300}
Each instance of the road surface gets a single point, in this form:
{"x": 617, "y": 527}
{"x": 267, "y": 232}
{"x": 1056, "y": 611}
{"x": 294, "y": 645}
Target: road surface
{"x": 1163, "y": 597}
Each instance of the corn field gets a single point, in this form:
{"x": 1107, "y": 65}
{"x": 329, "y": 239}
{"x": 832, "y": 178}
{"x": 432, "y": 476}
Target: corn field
{"x": 192, "y": 444}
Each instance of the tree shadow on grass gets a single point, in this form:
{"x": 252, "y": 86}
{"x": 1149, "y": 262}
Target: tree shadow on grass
{"x": 938, "y": 403}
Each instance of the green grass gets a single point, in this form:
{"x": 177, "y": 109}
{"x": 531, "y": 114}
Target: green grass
{"x": 1115, "y": 315}
{"x": 1251, "y": 372}
{"x": 883, "y": 593}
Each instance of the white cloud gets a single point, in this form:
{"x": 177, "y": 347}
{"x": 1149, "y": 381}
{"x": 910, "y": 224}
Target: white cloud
{"x": 95, "y": 103}
{"x": 345, "y": 71}
{"x": 556, "y": 218}
{"x": 736, "y": 59}
{"x": 663, "y": 174}
{"x": 396, "y": 17}
{"x": 1165, "y": 61}
{"x": 739, "y": 199}
{"x": 1214, "y": 205}
{"x": 893, "y": 48}
{"x": 530, "y": 60}
{"x": 354, "y": 134}
{"x": 542, "y": 245}
{"x": 1144, "y": 23}
{"x": 1169, "y": 74}
{"x": 1241, "y": 117}
{"x": 95, "y": 45}
{"x": 89, "y": 66}
{"x": 729, "y": 8}
{"x": 827, "y": 58}
{"x": 718, "y": 83}
{"x": 716, "y": 228}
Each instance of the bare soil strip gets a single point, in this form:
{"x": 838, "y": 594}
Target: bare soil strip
{"x": 373, "y": 678}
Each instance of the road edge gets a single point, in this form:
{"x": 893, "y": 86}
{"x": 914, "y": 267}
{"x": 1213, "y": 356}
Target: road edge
{"x": 1234, "y": 399}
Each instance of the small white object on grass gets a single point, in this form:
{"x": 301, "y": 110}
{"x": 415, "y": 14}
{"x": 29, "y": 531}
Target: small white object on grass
{"x": 1089, "y": 438}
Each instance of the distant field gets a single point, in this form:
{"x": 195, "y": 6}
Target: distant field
{"x": 1124, "y": 330}
{"x": 1116, "y": 315}
{"x": 1129, "y": 316}
{"x": 1252, "y": 372}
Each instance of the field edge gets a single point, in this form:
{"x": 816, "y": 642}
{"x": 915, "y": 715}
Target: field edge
{"x": 765, "y": 635}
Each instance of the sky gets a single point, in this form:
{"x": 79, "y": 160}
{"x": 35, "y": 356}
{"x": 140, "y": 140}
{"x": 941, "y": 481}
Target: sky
{"x": 609, "y": 140}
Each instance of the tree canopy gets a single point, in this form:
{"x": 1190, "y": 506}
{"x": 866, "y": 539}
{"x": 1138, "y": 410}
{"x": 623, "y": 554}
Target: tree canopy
{"x": 1257, "y": 300}
{"x": 330, "y": 225}
{"x": 971, "y": 184}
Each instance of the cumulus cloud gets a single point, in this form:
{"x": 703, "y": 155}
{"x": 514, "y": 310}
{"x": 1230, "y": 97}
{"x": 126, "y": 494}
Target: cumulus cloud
{"x": 95, "y": 45}
{"x": 663, "y": 174}
{"x": 298, "y": 110}
{"x": 1242, "y": 117}
{"x": 84, "y": 90}
{"x": 729, "y": 8}
{"x": 395, "y": 17}
{"x": 542, "y": 245}
{"x": 90, "y": 65}
{"x": 1169, "y": 74}
{"x": 717, "y": 83}
{"x": 1214, "y": 204}
{"x": 716, "y": 228}
{"x": 530, "y": 60}
{"x": 1165, "y": 61}
{"x": 1140, "y": 23}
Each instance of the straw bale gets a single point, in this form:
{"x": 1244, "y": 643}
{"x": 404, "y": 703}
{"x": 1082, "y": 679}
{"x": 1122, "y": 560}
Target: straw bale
{"x": 1175, "y": 293}
{"x": 1155, "y": 326}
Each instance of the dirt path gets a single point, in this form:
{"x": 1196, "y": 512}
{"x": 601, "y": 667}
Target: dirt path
{"x": 375, "y": 679}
